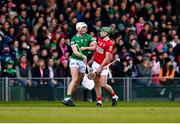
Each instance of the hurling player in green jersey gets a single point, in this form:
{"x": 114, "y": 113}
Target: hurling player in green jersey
{"x": 81, "y": 44}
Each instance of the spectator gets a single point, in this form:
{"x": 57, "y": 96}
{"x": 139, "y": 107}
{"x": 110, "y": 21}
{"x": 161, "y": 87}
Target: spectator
{"x": 175, "y": 41}
{"x": 23, "y": 72}
{"x": 143, "y": 34}
{"x": 62, "y": 47}
{"x": 155, "y": 70}
{"x": 64, "y": 67}
{"x": 51, "y": 73}
{"x": 35, "y": 61}
{"x": 128, "y": 67}
{"x": 6, "y": 54}
{"x": 139, "y": 25}
{"x": 38, "y": 73}
{"x": 15, "y": 50}
{"x": 143, "y": 72}
{"x": 36, "y": 27}
{"x": 153, "y": 45}
{"x": 118, "y": 69}
{"x": 10, "y": 72}
{"x": 166, "y": 76}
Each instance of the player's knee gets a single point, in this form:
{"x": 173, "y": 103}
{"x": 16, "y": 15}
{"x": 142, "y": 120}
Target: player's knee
{"x": 97, "y": 85}
{"x": 103, "y": 85}
{"x": 76, "y": 84}
{"x": 75, "y": 81}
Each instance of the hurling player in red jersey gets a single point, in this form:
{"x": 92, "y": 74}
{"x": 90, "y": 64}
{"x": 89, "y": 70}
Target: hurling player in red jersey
{"x": 101, "y": 58}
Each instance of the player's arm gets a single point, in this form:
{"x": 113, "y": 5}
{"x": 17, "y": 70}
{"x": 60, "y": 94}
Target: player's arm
{"x": 91, "y": 61}
{"x": 91, "y": 47}
{"x": 75, "y": 49}
{"x": 106, "y": 60}
{"x": 76, "y": 52}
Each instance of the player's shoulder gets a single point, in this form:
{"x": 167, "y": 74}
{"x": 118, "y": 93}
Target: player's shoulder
{"x": 74, "y": 37}
{"x": 99, "y": 39}
{"x": 87, "y": 36}
{"x": 109, "y": 42}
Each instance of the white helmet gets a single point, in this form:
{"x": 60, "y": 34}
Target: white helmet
{"x": 80, "y": 25}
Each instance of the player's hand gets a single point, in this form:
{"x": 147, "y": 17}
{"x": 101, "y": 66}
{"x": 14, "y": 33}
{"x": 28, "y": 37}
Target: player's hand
{"x": 90, "y": 62}
{"x": 85, "y": 59}
{"x": 99, "y": 70}
{"x": 83, "y": 48}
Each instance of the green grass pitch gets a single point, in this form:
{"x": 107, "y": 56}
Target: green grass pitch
{"x": 87, "y": 112}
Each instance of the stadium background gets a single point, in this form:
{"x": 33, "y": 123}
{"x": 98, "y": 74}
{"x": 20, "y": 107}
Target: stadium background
{"x": 38, "y": 31}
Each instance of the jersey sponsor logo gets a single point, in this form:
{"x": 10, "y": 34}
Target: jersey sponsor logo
{"x": 99, "y": 50}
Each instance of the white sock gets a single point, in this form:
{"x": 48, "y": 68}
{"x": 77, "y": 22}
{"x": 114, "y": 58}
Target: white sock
{"x": 115, "y": 97}
{"x": 99, "y": 102}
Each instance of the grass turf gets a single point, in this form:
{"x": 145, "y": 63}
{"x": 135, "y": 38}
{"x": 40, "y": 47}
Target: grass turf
{"x": 87, "y": 112}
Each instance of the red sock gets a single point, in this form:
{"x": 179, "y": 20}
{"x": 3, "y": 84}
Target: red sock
{"x": 99, "y": 98}
{"x": 113, "y": 94}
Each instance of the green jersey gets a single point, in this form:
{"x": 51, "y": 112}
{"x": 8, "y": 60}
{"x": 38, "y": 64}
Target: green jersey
{"x": 83, "y": 41}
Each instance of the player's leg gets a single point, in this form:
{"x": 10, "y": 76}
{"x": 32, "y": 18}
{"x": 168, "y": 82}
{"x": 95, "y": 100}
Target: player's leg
{"x": 76, "y": 76}
{"x": 103, "y": 83}
{"x": 98, "y": 92}
{"x": 76, "y": 82}
{"x": 97, "y": 86}
{"x": 77, "y": 69}
{"x": 68, "y": 100}
{"x": 74, "y": 69}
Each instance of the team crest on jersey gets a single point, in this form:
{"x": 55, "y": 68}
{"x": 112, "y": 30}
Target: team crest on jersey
{"x": 101, "y": 44}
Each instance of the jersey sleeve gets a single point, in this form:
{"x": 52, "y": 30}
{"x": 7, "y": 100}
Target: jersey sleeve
{"x": 73, "y": 42}
{"x": 91, "y": 39}
{"x": 109, "y": 47}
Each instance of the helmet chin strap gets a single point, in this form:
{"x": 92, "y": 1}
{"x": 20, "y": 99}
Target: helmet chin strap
{"x": 104, "y": 36}
{"x": 83, "y": 32}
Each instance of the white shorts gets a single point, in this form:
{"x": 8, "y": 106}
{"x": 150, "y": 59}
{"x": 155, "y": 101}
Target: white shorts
{"x": 95, "y": 66}
{"x": 77, "y": 64}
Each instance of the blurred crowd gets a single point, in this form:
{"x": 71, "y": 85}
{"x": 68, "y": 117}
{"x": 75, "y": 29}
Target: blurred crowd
{"x": 35, "y": 37}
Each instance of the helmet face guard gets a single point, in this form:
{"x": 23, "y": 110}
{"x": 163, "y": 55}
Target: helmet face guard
{"x": 81, "y": 27}
{"x": 103, "y": 30}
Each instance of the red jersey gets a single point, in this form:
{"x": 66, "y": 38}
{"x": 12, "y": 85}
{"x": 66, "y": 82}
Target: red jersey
{"x": 102, "y": 48}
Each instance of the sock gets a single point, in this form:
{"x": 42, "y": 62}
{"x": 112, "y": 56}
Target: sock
{"x": 69, "y": 96}
{"x": 113, "y": 94}
{"x": 99, "y": 99}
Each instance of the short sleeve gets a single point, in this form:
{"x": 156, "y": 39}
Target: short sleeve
{"x": 109, "y": 47}
{"x": 73, "y": 42}
{"x": 91, "y": 39}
